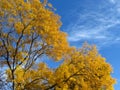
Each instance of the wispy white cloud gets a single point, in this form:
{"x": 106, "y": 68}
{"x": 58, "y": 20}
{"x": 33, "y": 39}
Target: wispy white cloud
{"x": 96, "y": 26}
{"x": 112, "y": 1}
{"x": 116, "y": 3}
{"x": 98, "y": 31}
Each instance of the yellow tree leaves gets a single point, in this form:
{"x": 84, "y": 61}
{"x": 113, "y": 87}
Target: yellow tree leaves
{"x": 19, "y": 27}
{"x": 85, "y": 71}
{"x": 30, "y": 29}
{"x": 79, "y": 71}
{"x": 27, "y": 19}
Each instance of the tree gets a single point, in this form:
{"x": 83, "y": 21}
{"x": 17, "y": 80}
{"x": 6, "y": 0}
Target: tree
{"x": 82, "y": 69}
{"x": 29, "y": 29}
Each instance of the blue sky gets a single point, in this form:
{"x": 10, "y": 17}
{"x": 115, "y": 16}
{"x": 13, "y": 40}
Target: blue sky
{"x": 94, "y": 21}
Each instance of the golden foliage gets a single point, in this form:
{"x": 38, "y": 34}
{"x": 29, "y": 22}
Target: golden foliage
{"x": 79, "y": 71}
{"x": 29, "y": 29}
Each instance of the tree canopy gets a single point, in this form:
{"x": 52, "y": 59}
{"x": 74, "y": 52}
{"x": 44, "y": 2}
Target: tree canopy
{"x": 30, "y": 29}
